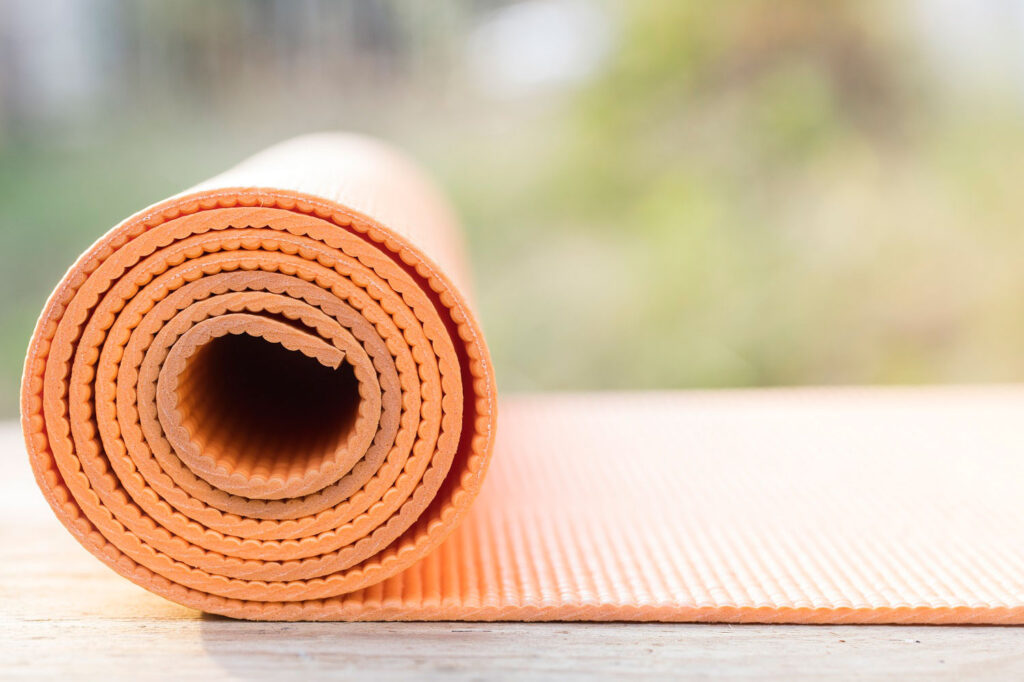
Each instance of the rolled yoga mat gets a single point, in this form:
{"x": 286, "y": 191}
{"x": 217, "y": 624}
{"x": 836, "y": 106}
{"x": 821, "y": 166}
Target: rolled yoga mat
{"x": 268, "y": 392}
{"x": 267, "y": 398}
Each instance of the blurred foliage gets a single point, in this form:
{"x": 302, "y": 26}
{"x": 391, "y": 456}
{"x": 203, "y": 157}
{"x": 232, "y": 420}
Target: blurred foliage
{"x": 747, "y": 193}
{"x": 760, "y": 193}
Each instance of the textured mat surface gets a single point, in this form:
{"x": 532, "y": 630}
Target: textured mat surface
{"x": 266, "y": 404}
{"x": 788, "y": 506}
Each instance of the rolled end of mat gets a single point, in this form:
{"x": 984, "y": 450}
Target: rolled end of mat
{"x": 260, "y": 396}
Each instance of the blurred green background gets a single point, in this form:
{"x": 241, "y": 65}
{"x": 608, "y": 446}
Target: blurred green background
{"x": 655, "y": 194}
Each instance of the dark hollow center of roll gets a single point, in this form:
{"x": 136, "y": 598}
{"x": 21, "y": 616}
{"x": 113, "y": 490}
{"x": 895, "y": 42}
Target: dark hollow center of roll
{"x": 259, "y": 408}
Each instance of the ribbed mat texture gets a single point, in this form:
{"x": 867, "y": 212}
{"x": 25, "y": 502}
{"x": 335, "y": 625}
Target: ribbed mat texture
{"x": 268, "y": 398}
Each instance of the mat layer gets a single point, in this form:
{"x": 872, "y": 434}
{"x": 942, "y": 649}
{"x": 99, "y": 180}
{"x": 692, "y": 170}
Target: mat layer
{"x": 780, "y": 506}
{"x": 268, "y": 398}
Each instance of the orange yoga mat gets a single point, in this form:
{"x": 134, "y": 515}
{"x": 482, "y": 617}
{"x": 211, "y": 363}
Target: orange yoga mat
{"x": 269, "y": 398}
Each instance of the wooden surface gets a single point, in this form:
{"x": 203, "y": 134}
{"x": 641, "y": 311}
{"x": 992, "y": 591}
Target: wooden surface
{"x": 65, "y": 614}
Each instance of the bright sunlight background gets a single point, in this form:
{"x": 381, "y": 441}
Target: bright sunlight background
{"x": 656, "y": 194}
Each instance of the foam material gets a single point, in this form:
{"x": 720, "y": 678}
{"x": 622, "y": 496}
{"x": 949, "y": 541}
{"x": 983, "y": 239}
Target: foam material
{"x": 268, "y": 398}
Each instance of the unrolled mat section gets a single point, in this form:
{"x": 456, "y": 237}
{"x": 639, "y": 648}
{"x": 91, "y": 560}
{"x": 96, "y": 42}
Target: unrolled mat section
{"x": 268, "y": 392}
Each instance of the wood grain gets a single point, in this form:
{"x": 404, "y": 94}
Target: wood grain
{"x": 62, "y": 613}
